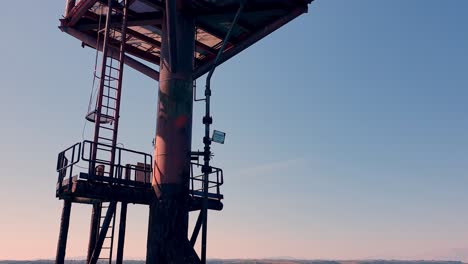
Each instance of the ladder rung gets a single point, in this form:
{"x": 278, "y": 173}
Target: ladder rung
{"x": 109, "y": 150}
{"x": 109, "y": 79}
{"x": 109, "y": 107}
{"x": 112, "y": 58}
{"x": 110, "y": 73}
{"x": 114, "y": 68}
{"x": 105, "y": 138}
{"x": 107, "y": 128}
{"x": 110, "y": 97}
{"x": 110, "y": 87}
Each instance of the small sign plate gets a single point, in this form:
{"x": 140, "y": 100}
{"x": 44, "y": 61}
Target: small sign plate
{"x": 218, "y": 137}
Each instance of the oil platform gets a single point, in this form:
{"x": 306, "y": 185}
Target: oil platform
{"x": 173, "y": 42}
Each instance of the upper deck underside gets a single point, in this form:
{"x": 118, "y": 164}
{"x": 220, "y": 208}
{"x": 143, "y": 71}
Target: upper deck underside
{"x": 213, "y": 19}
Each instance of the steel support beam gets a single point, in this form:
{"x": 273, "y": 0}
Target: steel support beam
{"x": 153, "y": 4}
{"x": 196, "y": 229}
{"x": 229, "y": 53}
{"x": 118, "y": 21}
{"x": 144, "y": 38}
{"x": 63, "y": 234}
{"x": 170, "y": 28}
{"x": 78, "y": 11}
{"x": 131, "y": 62}
{"x": 69, "y": 6}
{"x": 103, "y": 233}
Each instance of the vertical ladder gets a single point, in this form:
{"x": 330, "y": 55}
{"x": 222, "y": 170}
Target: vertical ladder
{"x": 105, "y": 116}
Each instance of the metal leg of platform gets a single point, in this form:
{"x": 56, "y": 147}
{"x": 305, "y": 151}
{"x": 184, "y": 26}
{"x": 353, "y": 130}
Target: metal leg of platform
{"x": 63, "y": 235}
{"x": 94, "y": 228}
{"x": 122, "y": 226}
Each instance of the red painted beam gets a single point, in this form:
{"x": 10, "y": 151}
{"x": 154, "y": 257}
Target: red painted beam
{"x": 78, "y": 11}
{"x": 92, "y": 42}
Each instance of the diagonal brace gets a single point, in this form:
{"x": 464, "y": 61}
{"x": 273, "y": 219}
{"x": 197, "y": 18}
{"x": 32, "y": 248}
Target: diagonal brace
{"x": 102, "y": 234}
{"x": 196, "y": 229}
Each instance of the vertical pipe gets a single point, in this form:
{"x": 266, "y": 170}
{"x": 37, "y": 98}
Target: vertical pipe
{"x": 122, "y": 227}
{"x": 208, "y": 120}
{"x": 168, "y": 229}
{"x": 94, "y": 228}
{"x": 63, "y": 235}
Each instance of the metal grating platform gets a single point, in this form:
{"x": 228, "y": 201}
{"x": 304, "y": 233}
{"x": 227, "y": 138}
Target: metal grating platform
{"x": 213, "y": 19}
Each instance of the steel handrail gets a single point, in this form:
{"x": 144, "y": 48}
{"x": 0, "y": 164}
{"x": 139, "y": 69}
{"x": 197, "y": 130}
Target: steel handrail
{"x": 62, "y": 155}
{"x": 79, "y": 153}
{"x": 215, "y": 179}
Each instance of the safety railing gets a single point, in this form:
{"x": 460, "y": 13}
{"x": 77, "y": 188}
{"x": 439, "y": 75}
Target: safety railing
{"x": 65, "y": 163}
{"x": 215, "y": 180}
{"x": 130, "y": 167}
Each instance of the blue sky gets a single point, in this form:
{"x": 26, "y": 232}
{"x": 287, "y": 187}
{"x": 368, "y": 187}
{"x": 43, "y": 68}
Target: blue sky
{"x": 347, "y": 134}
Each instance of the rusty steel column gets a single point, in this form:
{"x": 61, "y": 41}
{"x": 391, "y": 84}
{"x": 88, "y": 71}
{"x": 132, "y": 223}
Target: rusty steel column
{"x": 63, "y": 235}
{"x": 168, "y": 225}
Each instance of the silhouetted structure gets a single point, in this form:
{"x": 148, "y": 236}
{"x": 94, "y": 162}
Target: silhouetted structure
{"x": 186, "y": 39}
